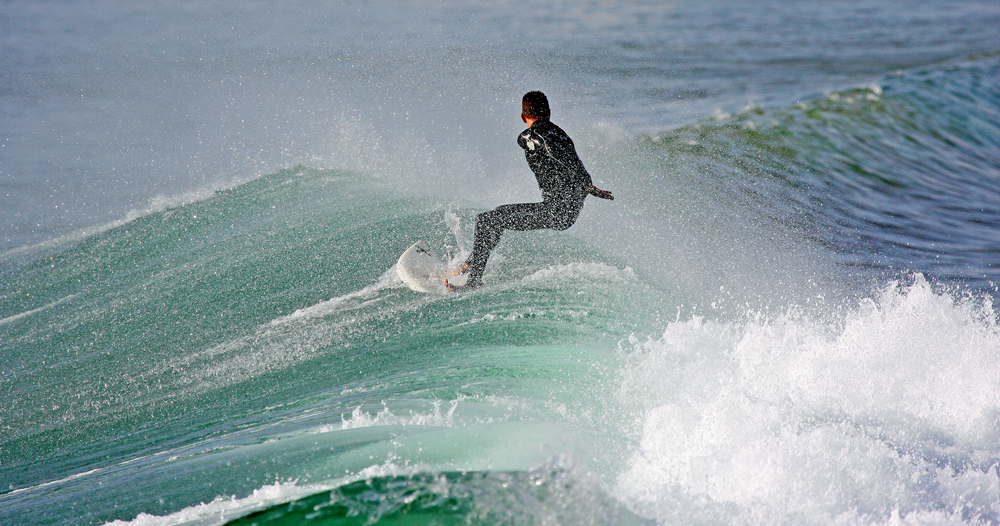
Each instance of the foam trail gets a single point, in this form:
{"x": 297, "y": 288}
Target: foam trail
{"x": 154, "y": 205}
{"x": 16, "y": 317}
{"x": 387, "y": 280}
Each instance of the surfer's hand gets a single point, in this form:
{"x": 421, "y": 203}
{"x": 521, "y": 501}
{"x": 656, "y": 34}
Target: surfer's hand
{"x": 597, "y": 192}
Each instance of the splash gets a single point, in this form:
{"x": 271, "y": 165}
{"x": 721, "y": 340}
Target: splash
{"x": 888, "y": 415}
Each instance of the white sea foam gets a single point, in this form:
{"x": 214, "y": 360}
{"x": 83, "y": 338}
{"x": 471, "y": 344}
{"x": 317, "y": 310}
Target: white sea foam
{"x": 890, "y": 415}
{"x": 223, "y": 509}
{"x": 435, "y": 417}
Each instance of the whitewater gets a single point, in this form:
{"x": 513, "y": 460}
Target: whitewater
{"x": 786, "y": 317}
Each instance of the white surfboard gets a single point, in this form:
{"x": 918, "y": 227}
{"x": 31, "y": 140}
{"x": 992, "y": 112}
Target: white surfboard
{"x": 421, "y": 270}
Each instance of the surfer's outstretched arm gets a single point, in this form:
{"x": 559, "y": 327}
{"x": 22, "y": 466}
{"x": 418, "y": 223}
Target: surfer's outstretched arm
{"x": 597, "y": 192}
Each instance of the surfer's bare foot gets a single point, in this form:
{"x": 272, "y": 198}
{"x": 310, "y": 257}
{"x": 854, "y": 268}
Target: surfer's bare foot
{"x": 457, "y": 271}
{"x": 458, "y": 288}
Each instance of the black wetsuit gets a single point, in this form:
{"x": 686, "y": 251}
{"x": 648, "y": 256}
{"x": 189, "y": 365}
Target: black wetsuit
{"x": 561, "y": 177}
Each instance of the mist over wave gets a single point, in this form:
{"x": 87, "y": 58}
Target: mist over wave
{"x": 787, "y": 316}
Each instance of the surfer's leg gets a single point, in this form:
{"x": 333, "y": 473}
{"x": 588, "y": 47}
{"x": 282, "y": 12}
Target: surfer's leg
{"x": 490, "y": 226}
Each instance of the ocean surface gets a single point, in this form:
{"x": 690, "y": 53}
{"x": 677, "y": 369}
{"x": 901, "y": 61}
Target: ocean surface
{"x": 786, "y": 317}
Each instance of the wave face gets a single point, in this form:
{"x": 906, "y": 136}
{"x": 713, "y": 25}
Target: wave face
{"x": 262, "y": 334}
{"x": 786, "y": 317}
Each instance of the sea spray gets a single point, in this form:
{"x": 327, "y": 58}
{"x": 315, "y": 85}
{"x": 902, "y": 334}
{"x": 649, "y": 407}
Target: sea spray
{"x": 890, "y": 413}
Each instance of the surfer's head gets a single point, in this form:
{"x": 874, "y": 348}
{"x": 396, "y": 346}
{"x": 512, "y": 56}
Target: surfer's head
{"x": 534, "y": 106}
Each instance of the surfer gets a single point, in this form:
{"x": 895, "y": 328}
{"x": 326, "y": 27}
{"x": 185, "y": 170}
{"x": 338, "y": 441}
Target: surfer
{"x": 563, "y": 180}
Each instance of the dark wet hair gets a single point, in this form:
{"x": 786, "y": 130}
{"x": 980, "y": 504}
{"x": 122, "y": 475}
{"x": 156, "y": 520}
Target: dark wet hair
{"x": 535, "y": 104}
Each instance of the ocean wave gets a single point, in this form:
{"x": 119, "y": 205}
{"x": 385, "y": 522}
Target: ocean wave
{"x": 895, "y": 176}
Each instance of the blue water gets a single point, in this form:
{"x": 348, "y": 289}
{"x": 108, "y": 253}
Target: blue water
{"x": 787, "y": 316}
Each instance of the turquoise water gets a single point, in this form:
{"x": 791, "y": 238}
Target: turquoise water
{"x": 787, "y": 316}
{"x": 242, "y": 323}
